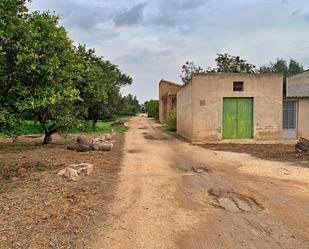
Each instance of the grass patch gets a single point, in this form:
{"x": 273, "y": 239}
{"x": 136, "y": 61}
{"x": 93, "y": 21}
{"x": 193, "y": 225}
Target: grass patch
{"x": 102, "y": 126}
{"x": 41, "y": 167}
{"x": 8, "y": 185}
{"x": 30, "y": 127}
{"x": 166, "y": 130}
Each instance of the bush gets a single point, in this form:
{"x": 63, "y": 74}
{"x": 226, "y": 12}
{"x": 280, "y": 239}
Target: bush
{"x": 172, "y": 119}
{"x": 152, "y": 109}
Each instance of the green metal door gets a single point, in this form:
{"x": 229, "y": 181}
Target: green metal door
{"x": 229, "y": 118}
{"x": 237, "y": 118}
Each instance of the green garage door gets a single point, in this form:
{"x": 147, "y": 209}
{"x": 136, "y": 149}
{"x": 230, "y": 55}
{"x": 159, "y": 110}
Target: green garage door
{"x": 237, "y": 118}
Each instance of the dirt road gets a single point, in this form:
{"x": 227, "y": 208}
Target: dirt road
{"x": 175, "y": 195}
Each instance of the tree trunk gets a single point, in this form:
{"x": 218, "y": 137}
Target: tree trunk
{"x": 48, "y": 138}
{"x": 94, "y": 125}
{"x": 49, "y": 131}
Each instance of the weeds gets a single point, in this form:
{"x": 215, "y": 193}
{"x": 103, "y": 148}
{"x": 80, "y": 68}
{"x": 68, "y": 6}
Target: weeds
{"x": 166, "y": 130}
{"x": 17, "y": 147}
{"x": 41, "y": 167}
{"x": 8, "y": 185}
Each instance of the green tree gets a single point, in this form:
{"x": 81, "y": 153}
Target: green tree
{"x": 225, "y": 64}
{"x": 188, "y": 69}
{"x": 115, "y": 79}
{"x": 45, "y": 78}
{"x": 232, "y": 64}
{"x": 152, "y": 108}
{"x": 100, "y": 86}
{"x": 127, "y": 105}
{"x": 38, "y": 70}
{"x": 12, "y": 33}
{"x": 134, "y": 106}
{"x": 282, "y": 66}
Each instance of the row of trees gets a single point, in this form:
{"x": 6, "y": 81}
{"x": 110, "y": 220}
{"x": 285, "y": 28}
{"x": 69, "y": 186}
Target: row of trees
{"x": 44, "y": 77}
{"x": 226, "y": 63}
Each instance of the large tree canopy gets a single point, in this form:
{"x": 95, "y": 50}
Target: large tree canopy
{"x": 12, "y": 32}
{"x": 43, "y": 76}
{"x": 39, "y": 75}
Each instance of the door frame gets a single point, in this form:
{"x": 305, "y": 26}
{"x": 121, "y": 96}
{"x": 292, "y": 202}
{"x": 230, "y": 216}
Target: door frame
{"x": 222, "y": 118}
{"x": 290, "y": 133}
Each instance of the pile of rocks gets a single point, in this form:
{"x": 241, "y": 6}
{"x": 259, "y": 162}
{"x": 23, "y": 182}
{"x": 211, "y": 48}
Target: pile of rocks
{"x": 83, "y": 144}
{"x": 302, "y": 145}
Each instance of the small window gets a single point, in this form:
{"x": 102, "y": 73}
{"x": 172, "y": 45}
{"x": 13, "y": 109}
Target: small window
{"x": 238, "y": 86}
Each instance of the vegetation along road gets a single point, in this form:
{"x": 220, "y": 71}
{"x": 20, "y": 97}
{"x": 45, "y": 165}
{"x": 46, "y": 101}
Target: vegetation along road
{"x": 176, "y": 195}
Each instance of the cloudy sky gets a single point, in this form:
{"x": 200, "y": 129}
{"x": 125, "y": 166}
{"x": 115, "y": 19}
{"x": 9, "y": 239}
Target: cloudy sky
{"x": 151, "y": 39}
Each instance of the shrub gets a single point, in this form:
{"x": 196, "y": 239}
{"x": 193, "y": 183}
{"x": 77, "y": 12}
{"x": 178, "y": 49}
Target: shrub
{"x": 152, "y": 108}
{"x": 172, "y": 119}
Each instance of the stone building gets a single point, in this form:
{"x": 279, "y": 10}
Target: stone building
{"x": 296, "y": 107}
{"x": 216, "y": 106}
{"x": 167, "y": 98}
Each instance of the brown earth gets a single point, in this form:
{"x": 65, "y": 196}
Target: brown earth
{"x": 274, "y": 152}
{"x": 175, "y": 195}
{"x": 39, "y": 209}
{"x": 154, "y": 192}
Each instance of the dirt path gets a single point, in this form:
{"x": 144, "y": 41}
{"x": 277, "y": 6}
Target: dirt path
{"x": 176, "y": 195}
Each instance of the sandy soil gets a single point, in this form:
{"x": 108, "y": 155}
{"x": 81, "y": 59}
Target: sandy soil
{"x": 175, "y": 195}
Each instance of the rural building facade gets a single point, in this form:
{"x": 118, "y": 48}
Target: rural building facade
{"x": 167, "y": 98}
{"x": 296, "y": 107}
{"x": 216, "y": 106}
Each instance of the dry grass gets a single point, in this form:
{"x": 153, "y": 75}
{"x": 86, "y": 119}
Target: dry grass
{"x": 39, "y": 209}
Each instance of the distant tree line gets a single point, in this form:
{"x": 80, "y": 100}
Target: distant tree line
{"x": 44, "y": 77}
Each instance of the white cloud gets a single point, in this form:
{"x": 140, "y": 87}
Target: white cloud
{"x": 151, "y": 39}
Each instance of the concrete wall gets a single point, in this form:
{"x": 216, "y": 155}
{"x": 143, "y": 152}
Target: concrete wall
{"x": 303, "y": 118}
{"x": 184, "y": 112}
{"x": 298, "y": 85}
{"x": 165, "y": 104}
{"x": 207, "y": 93}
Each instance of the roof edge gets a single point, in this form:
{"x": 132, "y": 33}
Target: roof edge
{"x": 169, "y": 82}
{"x": 251, "y": 74}
{"x": 305, "y": 71}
